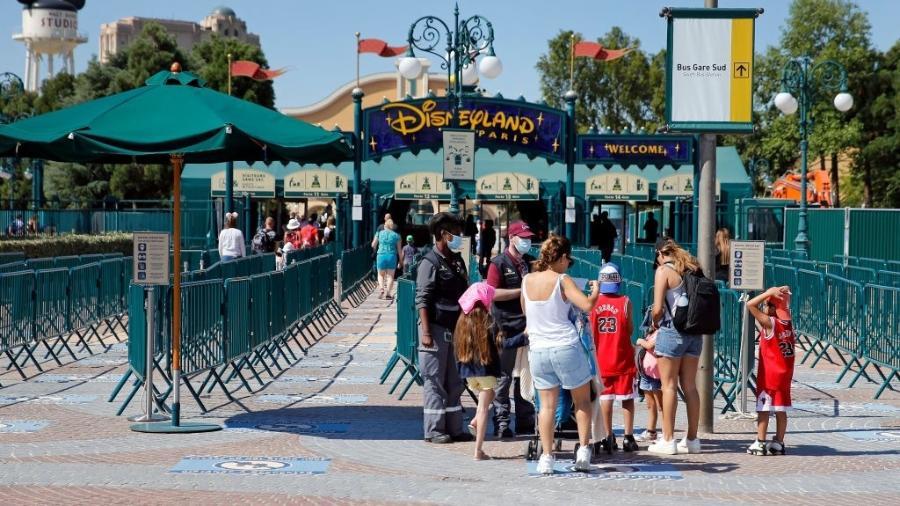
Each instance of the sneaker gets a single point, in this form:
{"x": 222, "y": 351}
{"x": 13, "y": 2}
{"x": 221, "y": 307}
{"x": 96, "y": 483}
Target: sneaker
{"x": 439, "y": 439}
{"x": 776, "y": 448}
{"x": 648, "y": 436}
{"x": 629, "y": 444}
{"x": 545, "y": 464}
{"x": 663, "y": 447}
{"x": 583, "y": 458}
{"x": 757, "y": 448}
{"x": 689, "y": 445}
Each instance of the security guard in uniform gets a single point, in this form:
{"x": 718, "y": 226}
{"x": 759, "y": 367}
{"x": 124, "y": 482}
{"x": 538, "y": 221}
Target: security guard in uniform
{"x": 441, "y": 280}
{"x": 505, "y": 275}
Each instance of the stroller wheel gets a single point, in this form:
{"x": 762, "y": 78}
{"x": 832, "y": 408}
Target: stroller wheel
{"x": 530, "y": 453}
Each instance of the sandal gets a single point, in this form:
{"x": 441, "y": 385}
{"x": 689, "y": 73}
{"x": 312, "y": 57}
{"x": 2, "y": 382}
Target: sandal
{"x": 472, "y": 429}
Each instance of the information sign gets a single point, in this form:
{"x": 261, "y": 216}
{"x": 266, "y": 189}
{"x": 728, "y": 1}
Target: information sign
{"x": 746, "y": 271}
{"x": 151, "y": 258}
{"x": 459, "y": 155}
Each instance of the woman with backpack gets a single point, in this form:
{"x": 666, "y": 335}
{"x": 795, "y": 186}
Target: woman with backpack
{"x": 678, "y": 353}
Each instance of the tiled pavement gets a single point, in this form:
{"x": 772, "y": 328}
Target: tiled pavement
{"x": 325, "y": 432}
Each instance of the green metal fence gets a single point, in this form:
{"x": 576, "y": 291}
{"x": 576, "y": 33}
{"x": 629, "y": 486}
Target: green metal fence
{"x": 356, "y": 269}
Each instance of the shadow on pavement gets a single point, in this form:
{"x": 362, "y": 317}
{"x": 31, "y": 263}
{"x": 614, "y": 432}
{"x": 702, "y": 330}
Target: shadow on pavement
{"x": 393, "y": 423}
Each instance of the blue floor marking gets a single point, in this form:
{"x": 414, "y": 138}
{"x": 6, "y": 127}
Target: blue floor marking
{"x": 20, "y": 426}
{"x": 251, "y": 465}
{"x": 610, "y": 471}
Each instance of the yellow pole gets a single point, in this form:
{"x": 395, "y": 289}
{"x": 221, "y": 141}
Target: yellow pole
{"x": 357, "y": 59}
{"x": 572, "y": 62}
{"x": 229, "y": 74}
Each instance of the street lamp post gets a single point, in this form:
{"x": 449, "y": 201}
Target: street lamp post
{"x": 802, "y": 82}
{"x": 469, "y": 39}
{"x": 757, "y": 166}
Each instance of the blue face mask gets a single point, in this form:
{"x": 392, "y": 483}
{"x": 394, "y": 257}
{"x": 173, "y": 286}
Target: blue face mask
{"x": 455, "y": 242}
{"x": 523, "y": 245}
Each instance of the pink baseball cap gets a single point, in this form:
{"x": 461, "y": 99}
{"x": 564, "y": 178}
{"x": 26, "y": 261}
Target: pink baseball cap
{"x": 782, "y": 306}
{"x": 477, "y": 292}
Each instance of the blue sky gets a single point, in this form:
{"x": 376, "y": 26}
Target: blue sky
{"x": 315, "y": 38}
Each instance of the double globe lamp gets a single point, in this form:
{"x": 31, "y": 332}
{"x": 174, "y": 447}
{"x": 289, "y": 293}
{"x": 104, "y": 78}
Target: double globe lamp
{"x": 489, "y": 66}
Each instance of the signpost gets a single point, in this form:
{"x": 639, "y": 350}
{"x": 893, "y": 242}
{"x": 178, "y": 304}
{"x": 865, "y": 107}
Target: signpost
{"x": 507, "y": 186}
{"x": 256, "y": 183}
{"x": 709, "y": 70}
{"x": 746, "y": 273}
{"x": 459, "y": 155}
{"x": 680, "y": 186}
{"x": 315, "y": 184}
{"x": 617, "y": 186}
{"x": 421, "y": 185}
{"x": 151, "y": 267}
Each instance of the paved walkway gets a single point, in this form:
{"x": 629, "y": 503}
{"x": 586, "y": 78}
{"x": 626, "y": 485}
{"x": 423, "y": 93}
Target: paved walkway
{"x": 325, "y": 432}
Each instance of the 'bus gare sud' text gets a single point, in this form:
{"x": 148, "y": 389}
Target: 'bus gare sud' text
{"x": 701, "y": 68}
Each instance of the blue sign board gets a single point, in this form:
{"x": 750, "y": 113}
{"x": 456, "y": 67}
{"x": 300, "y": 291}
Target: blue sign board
{"x": 509, "y": 125}
{"x": 641, "y": 150}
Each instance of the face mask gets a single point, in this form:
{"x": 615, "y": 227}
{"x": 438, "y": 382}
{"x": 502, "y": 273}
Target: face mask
{"x": 523, "y": 245}
{"x": 455, "y": 242}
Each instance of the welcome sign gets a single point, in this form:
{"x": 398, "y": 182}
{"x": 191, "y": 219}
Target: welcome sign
{"x": 640, "y": 150}
{"x": 510, "y": 125}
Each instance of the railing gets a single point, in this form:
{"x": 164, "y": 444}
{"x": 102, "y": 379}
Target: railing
{"x": 406, "y": 352}
{"x": 51, "y": 307}
{"x": 241, "y": 324}
{"x": 356, "y": 269}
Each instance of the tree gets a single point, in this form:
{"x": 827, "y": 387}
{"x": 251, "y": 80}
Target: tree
{"x": 625, "y": 93}
{"x": 210, "y": 59}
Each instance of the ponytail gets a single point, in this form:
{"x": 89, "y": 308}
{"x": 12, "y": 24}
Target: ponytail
{"x": 683, "y": 260}
{"x": 552, "y": 250}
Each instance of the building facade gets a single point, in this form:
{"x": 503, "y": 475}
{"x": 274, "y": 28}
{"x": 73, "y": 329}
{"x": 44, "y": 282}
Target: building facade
{"x": 222, "y": 21}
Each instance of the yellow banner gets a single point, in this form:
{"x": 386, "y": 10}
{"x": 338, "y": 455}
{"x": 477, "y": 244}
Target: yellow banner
{"x": 741, "y": 69}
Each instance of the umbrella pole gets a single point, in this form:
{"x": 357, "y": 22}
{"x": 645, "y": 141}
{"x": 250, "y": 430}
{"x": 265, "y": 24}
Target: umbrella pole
{"x": 176, "y": 426}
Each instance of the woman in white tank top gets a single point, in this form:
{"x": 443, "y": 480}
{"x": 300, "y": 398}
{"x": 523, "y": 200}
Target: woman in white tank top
{"x": 556, "y": 356}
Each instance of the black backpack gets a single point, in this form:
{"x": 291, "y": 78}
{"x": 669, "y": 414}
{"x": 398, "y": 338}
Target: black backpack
{"x": 261, "y": 241}
{"x": 702, "y": 314}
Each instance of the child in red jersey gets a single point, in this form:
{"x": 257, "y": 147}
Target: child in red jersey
{"x": 611, "y": 327}
{"x": 776, "y": 367}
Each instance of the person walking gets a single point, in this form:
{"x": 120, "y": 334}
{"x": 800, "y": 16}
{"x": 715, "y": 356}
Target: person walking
{"x": 608, "y": 235}
{"x": 264, "y": 239}
{"x": 678, "y": 354}
{"x": 309, "y": 233}
{"x": 292, "y": 235}
{"x": 328, "y": 233}
{"x": 409, "y": 254}
{"x": 651, "y": 229}
{"x": 231, "y": 239}
{"x": 723, "y": 254}
{"x": 488, "y": 238}
{"x": 505, "y": 274}
{"x": 441, "y": 280}
{"x": 557, "y": 356}
{"x": 389, "y": 255}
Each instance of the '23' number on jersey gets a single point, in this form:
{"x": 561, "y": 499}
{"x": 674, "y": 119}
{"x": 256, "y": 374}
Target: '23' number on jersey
{"x": 607, "y": 325}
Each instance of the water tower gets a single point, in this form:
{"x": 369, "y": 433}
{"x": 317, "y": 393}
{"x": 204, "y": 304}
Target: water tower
{"x": 49, "y": 28}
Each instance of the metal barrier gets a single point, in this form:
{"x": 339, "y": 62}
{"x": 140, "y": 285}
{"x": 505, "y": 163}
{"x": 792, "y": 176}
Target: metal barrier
{"x": 881, "y": 346}
{"x": 12, "y": 256}
{"x": 356, "y": 269}
{"x": 406, "y": 352}
{"x": 239, "y": 325}
{"x": 49, "y": 307}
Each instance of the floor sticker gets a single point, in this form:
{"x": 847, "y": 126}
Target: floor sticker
{"x": 340, "y": 380}
{"x": 335, "y": 399}
{"x": 251, "y": 465}
{"x": 610, "y": 471}
{"x": 102, "y": 360}
{"x": 286, "y": 425}
{"x": 19, "y": 426}
{"x": 874, "y": 436}
{"x": 78, "y": 378}
{"x": 47, "y": 399}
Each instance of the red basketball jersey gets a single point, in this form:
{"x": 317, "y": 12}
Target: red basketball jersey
{"x": 610, "y": 320}
{"x": 776, "y": 356}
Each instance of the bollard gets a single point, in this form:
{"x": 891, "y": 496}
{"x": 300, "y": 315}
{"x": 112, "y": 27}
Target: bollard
{"x": 340, "y": 283}
{"x": 149, "y": 415}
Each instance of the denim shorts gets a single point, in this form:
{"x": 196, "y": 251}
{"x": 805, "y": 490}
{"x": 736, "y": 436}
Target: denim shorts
{"x": 673, "y": 344}
{"x": 649, "y": 384}
{"x": 565, "y": 366}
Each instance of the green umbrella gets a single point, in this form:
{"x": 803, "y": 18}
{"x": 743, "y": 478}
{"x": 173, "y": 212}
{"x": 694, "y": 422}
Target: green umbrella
{"x": 173, "y": 113}
{"x": 173, "y": 118}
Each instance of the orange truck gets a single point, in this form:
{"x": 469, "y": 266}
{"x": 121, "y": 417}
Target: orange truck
{"x": 818, "y": 187}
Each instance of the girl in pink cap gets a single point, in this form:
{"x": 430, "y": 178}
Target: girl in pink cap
{"x": 476, "y": 342}
{"x": 776, "y": 367}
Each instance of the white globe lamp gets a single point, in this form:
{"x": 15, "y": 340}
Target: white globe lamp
{"x": 786, "y": 103}
{"x": 469, "y": 74}
{"x": 490, "y": 66}
{"x": 843, "y": 101}
{"x": 410, "y": 67}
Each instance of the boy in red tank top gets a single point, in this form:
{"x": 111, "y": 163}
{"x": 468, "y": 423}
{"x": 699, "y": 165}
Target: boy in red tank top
{"x": 611, "y": 328}
{"x": 776, "y": 367}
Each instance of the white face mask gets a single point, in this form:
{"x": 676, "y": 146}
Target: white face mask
{"x": 522, "y": 245}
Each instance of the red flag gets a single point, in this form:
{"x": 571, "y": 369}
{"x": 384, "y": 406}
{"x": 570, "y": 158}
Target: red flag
{"x": 598, "y": 52}
{"x": 380, "y": 47}
{"x": 254, "y": 71}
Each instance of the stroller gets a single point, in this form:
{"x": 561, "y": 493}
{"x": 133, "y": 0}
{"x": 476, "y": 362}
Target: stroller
{"x": 565, "y": 427}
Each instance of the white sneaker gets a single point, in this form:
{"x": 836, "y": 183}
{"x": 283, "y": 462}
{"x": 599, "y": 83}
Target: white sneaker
{"x": 545, "y": 464}
{"x": 689, "y": 445}
{"x": 583, "y": 458}
{"x": 663, "y": 447}
{"x": 757, "y": 448}
{"x": 646, "y": 437}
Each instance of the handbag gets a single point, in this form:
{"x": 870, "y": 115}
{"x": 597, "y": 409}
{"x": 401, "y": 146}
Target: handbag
{"x": 649, "y": 363}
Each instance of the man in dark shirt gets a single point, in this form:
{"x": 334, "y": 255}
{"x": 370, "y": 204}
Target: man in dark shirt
{"x": 651, "y": 229}
{"x": 486, "y": 245}
{"x": 608, "y": 236}
{"x": 441, "y": 279}
{"x": 505, "y": 274}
